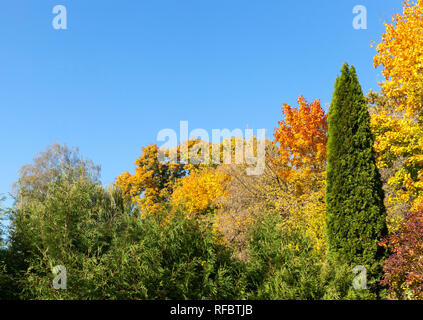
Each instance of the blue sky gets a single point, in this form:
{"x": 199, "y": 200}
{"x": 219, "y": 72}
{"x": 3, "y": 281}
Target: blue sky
{"x": 124, "y": 70}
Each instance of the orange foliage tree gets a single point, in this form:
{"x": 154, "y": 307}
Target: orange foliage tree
{"x": 301, "y": 138}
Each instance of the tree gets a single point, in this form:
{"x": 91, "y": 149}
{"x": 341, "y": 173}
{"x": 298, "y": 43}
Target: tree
{"x": 152, "y": 184}
{"x": 200, "y": 192}
{"x": 74, "y": 227}
{"x": 398, "y": 126}
{"x": 31, "y": 221}
{"x": 404, "y": 268}
{"x": 35, "y": 180}
{"x": 57, "y": 160}
{"x": 396, "y": 140}
{"x": 6, "y": 281}
{"x": 401, "y": 55}
{"x": 292, "y": 183}
{"x": 2, "y": 214}
{"x": 302, "y": 138}
{"x": 282, "y": 265}
{"x": 355, "y": 214}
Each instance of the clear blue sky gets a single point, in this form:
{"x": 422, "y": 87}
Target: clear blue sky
{"x": 125, "y": 69}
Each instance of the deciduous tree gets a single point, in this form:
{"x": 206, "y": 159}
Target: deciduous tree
{"x": 301, "y": 138}
{"x": 152, "y": 183}
{"x": 401, "y": 54}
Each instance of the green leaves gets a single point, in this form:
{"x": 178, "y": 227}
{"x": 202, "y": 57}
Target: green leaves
{"x": 355, "y": 216}
{"x": 282, "y": 265}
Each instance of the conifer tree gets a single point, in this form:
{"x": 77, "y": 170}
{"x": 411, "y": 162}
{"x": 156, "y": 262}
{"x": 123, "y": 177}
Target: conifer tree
{"x": 355, "y": 214}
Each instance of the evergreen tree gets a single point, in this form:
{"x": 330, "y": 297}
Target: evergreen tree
{"x": 355, "y": 214}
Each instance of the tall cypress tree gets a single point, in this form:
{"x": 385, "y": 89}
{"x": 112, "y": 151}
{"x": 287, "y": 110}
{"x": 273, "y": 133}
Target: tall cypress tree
{"x": 355, "y": 216}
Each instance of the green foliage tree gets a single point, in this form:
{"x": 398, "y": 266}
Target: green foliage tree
{"x": 149, "y": 258}
{"x": 109, "y": 250}
{"x": 7, "y": 284}
{"x": 56, "y": 161}
{"x": 355, "y": 216}
{"x": 283, "y": 265}
{"x": 57, "y": 167}
{"x": 2, "y": 216}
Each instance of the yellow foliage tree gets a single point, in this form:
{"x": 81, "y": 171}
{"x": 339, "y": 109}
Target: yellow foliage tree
{"x": 152, "y": 184}
{"x": 401, "y": 55}
{"x": 397, "y": 122}
{"x": 200, "y": 192}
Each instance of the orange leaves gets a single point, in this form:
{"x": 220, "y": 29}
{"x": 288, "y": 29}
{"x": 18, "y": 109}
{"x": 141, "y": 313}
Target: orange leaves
{"x": 302, "y": 138}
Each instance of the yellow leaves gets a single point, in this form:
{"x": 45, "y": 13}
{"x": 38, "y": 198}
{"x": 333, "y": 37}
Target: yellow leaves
{"x": 199, "y": 192}
{"x": 151, "y": 185}
{"x": 399, "y": 148}
{"x": 307, "y": 215}
{"x": 401, "y": 55}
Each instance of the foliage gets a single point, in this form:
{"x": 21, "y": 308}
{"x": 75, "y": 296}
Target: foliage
{"x": 191, "y": 223}
{"x": 3, "y": 212}
{"x": 57, "y": 160}
{"x": 282, "y": 265}
{"x": 152, "y": 184}
{"x": 355, "y": 213}
{"x": 181, "y": 259}
{"x": 404, "y": 268}
{"x": 199, "y": 192}
{"x": 8, "y": 286}
{"x": 401, "y": 55}
{"x": 398, "y": 142}
{"x": 76, "y": 222}
{"x": 149, "y": 259}
{"x": 3, "y": 271}
{"x": 306, "y": 214}
{"x": 59, "y": 201}
{"x": 292, "y": 183}
{"x": 302, "y": 138}
{"x": 398, "y": 125}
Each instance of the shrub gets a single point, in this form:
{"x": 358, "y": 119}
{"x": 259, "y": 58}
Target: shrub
{"x": 153, "y": 257}
{"x": 283, "y": 265}
{"x": 404, "y": 268}
{"x": 176, "y": 258}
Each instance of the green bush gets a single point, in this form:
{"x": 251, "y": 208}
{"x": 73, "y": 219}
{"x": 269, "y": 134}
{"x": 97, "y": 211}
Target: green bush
{"x": 282, "y": 265}
{"x": 153, "y": 258}
{"x": 110, "y": 252}
{"x": 169, "y": 259}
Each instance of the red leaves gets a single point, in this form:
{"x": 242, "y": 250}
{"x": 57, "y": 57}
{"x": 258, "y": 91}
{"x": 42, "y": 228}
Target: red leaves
{"x": 404, "y": 268}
